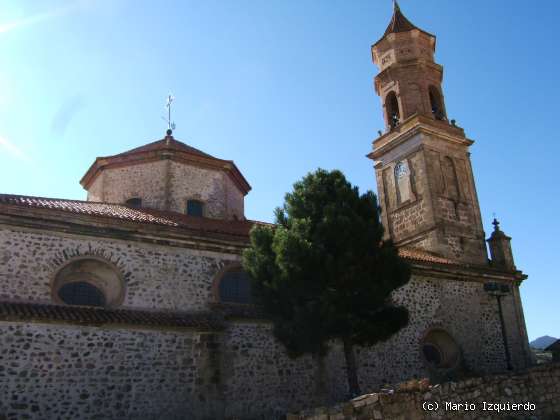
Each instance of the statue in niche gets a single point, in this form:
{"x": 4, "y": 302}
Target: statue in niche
{"x": 402, "y": 182}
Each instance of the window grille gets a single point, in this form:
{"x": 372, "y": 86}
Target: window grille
{"x": 194, "y": 208}
{"x": 235, "y": 287}
{"x": 81, "y": 293}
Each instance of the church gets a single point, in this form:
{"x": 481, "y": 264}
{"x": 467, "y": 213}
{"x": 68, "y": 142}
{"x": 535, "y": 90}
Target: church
{"x": 133, "y": 304}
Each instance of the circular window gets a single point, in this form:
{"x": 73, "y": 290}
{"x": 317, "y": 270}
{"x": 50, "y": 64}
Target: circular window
{"x": 432, "y": 354}
{"x": 440, "y": 350}
{"x": 88, "y": 281}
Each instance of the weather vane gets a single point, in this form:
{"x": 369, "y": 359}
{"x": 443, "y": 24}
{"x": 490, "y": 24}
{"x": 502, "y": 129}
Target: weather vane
{"x": 170, "y": 124}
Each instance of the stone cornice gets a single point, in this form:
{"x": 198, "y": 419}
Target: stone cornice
{"x": 466, "y": 272}
{"x": 413, "y": 125}
{"x": 104, "y": 227}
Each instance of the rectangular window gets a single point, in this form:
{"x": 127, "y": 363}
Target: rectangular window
{"x": 194, "y": 208}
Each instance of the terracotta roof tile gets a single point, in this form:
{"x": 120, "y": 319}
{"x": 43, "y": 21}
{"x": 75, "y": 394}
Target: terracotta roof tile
{"x": 167, "y": 218}
{"x": 165, "y": 144}
{"x": 124, "y": 213}
{"x": 236, "y": 310}
{"x": 11, "y": 311}
{"x": 421, "y": 255}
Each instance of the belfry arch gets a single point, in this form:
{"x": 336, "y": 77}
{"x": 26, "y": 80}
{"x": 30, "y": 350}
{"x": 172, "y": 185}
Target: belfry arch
{"x": 392, "y": 109}
{"x": 436, "y": 103}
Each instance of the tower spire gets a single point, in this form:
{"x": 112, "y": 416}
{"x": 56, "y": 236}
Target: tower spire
{"x": 399, "y": 23}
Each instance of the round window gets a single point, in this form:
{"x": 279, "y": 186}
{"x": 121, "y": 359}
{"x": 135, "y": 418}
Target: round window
{"x": 440, "y": 350}
{"x": 88, "y": 281}
{"x": 432, "y": 354}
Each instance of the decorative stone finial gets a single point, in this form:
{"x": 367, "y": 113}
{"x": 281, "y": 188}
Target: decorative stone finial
{"x": 500, "y": 248}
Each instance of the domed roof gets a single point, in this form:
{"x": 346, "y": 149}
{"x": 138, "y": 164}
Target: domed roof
{"x": 166, "y": 148}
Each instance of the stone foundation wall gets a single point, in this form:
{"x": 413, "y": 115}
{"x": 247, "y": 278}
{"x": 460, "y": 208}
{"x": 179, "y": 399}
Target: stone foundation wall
{"x": 534, "y": 394}
{"x": 79, "y": 372}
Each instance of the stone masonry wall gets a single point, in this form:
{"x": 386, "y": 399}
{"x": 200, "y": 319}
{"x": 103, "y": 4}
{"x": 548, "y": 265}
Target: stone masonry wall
{"x": 146, "y": 181}
{"x": 463, "y": 310}
{"x": 64, "y": 371}
{"x": 156, "y": 277}
{"x": 534, "y": 394}
{"x": 222, "y": 199}
{"x": 167, "y": 185}
{"x": 256, "y": 376}
{"x": 260, "y": 378}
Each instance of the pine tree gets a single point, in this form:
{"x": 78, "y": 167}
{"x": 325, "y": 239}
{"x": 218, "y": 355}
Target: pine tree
{"x": 324, "y": 272}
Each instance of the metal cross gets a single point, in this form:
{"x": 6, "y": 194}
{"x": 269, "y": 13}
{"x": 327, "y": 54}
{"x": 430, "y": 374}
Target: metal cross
{"x": 170, "y": 124}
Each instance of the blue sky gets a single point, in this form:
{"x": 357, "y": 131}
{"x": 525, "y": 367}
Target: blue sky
{"x": 281, "y": 88}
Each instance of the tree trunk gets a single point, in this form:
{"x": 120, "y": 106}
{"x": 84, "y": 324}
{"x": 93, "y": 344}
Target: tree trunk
{"x": 321, "y": 389}
{"x": 351, "y": 370}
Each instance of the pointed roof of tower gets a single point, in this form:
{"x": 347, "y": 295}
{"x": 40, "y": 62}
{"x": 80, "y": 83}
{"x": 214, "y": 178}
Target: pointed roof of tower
{"x": 399, "y": 23}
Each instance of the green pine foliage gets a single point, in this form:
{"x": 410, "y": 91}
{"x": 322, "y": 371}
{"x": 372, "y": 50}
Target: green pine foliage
{"x": 324, "y": 272}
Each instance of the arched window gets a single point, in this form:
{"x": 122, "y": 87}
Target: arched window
{"x": 392, "y": 109}
{"x": 440, "y": 350}
{"x": 195, "y": 208}
{"x": 81, "y": 293}
{"x": 134, "y": 202}
{"x": 88, "y": 281}
{"x": 235, "y": 287}
{"x": 436, "y": 103}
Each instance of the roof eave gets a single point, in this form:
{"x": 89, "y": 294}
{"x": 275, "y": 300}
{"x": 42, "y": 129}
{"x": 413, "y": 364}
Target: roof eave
{"x": 140, "y": 157}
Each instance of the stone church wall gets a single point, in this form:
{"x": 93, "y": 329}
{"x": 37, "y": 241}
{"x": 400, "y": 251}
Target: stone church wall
{"x": 79, "y": 372}
{"x": 255, "y": 375}
{"x": 167, "y": 185}
{"x": 146, "y": 181}
{"x": 215, "y": 189}
{"x": 257, "y": 370}
{"x": 156, "y": 277}
{"x": 460, "y": 308}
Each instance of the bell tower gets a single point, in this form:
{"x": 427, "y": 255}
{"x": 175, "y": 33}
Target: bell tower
{"x": 422, "y": 161}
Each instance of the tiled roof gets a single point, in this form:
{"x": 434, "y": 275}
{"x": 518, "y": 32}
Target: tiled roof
{"x": 236, "y": 310}
{"x": 124, "y": 213}
{"x": 11, "y": 311}
{"x": 172, "y": 219}
{"x": 421, "y": 255}
{"x": 166, "y": 148}
{"x": 166, "y": 143}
